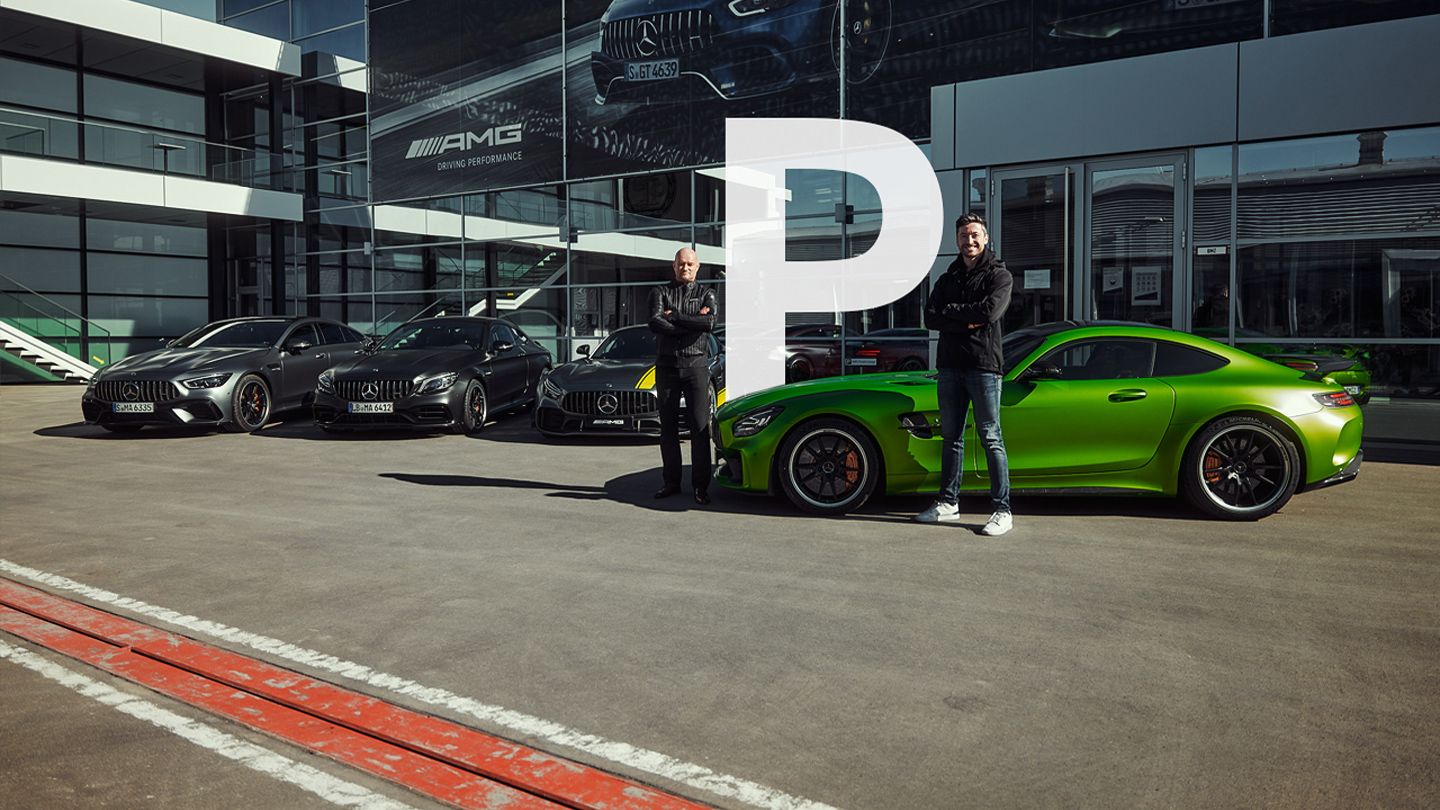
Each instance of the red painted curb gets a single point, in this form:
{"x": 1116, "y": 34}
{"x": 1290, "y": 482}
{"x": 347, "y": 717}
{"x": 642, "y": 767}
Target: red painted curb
{"x": 360, "y": 726}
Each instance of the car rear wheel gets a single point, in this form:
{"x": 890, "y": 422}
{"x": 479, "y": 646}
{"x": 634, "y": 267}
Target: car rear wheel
{"x": 799, "y": 370}
{"x": 476, "y": 409}
{"x": 828, "y": 466}
{"x": 250, "y": 405}
{"x": 1240, "y": 468}
{"x": 910, "y": 364}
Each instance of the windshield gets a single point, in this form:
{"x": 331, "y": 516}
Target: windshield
{"x": 627, "y": 344}
{"x": 234, "y": 334}
{"x": 1018, "y": 345}
{"x": 437, "y": 337}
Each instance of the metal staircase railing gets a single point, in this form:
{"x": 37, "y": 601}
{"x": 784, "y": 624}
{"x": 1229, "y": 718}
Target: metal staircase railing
{"x": 50, "y": 335}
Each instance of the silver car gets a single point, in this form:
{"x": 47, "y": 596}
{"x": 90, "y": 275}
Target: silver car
{"x": 232, "y": 374}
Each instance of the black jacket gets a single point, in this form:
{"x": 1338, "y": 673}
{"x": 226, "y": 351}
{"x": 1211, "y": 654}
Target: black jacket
{"x": 962, "y": 297}
{"x": 681, "y": 334}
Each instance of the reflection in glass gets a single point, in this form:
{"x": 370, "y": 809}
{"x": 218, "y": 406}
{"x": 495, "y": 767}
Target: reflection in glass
{"x": 1035, "y": 245}
{"x": 1371, "y": 181}
{"x": 1341, "y": 289}
{"x": 1212, "y": 194}
{"x": 1072, "y": 32}
{"x": 1132, "y": 244}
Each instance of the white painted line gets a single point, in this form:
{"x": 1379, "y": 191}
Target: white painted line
{"x": 652, "y": 762}
{"x": 331, "y": 789}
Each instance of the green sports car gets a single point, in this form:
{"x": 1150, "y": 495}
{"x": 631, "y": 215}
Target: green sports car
{"x": 1091, "y": 407}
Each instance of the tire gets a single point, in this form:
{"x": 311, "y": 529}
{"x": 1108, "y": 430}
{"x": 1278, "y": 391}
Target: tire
{"x": 122, "y": 428}
{"x": 250, "y": 405}
{"x": 868, "y": 39}
{"x": 1240, "y": 468}
{"x": 828, "y": 466}
{"x": 474, "y": 411}
{"x": 911, "y": 364}
{"x": 799, "y": 370}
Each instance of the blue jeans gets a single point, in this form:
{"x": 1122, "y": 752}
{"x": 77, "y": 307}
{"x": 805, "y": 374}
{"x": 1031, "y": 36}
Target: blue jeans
{"x": 957, "y": 390}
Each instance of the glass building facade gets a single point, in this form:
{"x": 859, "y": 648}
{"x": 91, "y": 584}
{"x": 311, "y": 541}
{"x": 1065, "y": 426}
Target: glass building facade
{"x": 1322, "y": 243}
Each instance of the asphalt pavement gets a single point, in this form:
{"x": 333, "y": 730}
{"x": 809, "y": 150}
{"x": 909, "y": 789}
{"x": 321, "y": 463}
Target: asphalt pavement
{"x": 1110, "y": 652}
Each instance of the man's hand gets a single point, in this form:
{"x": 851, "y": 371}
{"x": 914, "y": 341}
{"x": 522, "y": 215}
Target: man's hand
{"x": 975, "y": 325}
{"x": 704, "y": 310}
{"x": 667, "y": 313}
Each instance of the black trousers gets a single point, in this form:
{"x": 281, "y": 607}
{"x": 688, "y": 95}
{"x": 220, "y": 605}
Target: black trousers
{"x": 693, "y": 380}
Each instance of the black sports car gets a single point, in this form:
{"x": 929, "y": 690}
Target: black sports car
{"x": 440, "y": 373}
{"x": 613, "y": 389}
{"x": 232, "y": 374}
{"x": 732, "y": 48}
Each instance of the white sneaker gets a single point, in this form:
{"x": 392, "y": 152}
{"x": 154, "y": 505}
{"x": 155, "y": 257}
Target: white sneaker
{"x": 940, "y": 512}
{"x": 1000, "y": 523}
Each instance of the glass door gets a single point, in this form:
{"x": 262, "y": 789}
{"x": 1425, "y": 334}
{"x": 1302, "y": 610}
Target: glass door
{"x": 1134, "y": 245}
{"x": 1032, "y": 225}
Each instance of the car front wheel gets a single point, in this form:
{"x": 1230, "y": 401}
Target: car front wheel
{"x": 828, "y": 466}
{"x": 250, "y": 406}
{"x": 476, "y": 409}
{"x": 1240, "y": 468}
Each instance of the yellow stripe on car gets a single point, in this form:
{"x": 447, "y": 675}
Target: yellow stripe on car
{"x": 647, "y": 380}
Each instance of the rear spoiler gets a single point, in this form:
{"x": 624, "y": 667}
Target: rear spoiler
{"x": 1315, "y": 366}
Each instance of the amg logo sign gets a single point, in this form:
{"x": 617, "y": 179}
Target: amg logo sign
{"x": 463, "y": 141}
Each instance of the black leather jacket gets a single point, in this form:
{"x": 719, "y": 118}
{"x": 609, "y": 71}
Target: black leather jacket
{"x": 962, "y": 297}
{"x": 681, "y": 334}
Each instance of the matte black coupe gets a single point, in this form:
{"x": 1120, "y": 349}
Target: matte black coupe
{"x": 450, "y": 373}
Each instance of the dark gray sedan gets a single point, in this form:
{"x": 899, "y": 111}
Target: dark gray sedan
{"x": 452, "y": 373}
{"x": 233, "y": 374}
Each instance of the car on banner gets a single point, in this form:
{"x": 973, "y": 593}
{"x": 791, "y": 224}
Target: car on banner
{"x": 731, "y": 49}
{"x": 232, "y": 374}
{"x": 1086, "y": 407}
{"x": 612, "y": 390}
{"x": 441, "y": 373}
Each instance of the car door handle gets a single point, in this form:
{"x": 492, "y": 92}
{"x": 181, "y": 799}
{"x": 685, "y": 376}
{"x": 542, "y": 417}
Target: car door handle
{"x": 1128, "y": 395}
{"x": 273, "y": 367}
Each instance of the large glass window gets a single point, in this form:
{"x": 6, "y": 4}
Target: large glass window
{"x": 1070, "y": 32}
{"x": 1294, "y": 16}
{"x": 31, "y": 84}
{"x": 145, "y": 105}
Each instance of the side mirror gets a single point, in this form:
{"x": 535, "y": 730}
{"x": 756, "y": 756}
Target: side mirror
{"x": 369, "y": 344}
{"x": 583, "y": 350}
{"x": 1042, "y": 371}
{"x": 502, "y": 346}
{"x": 297, "y": 346}
{"x": 171, "y": 342}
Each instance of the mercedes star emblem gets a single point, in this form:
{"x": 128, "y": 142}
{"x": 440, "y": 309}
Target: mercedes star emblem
{"x": 648, "y": 35}
{"x": 369, "y": 391}
{"x": 131, "y": 391}
{"x": 609, "y": 404}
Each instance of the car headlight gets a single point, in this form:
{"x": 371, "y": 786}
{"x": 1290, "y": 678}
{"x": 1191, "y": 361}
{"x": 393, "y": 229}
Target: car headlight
{"x": 435, "y": 385}
{"x": 208, "y": 381}
{"x": 326, "y": 381}
{"x": 744, "y": 8}
{"x": 755, "y": 421}
{"x": 551, "y": 388}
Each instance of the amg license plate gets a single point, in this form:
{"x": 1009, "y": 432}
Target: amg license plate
{"x": 607, "y": 423}
{"x": 1352, "y": 390}
{"x": 372, "y": 407}
{"x": 134, "y": 407}
{"x": 864, "y": 361}
{"x": 658, "y": 70}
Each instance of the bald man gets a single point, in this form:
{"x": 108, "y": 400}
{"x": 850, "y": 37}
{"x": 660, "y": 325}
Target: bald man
{"x": 682, "y": 313}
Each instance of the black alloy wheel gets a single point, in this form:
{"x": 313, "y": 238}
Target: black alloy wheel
{"x": 250, "y": 405}
{"x": 1240, "y": 468}
{"x": 828, "y": 466}
{"x": 476, "y": 410}
{"x": 910, "y": 364}
{"x": 799, "y": 370}
{"x": 866, "y": 35}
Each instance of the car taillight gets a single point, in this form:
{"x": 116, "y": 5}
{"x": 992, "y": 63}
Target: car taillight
{"x": 867, "y": 352}
{"x": 1338, "y": 399}
{"x": 1301, "y": 365}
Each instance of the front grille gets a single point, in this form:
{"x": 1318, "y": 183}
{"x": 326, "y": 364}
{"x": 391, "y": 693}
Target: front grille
{"x": 659, "y": 36}
{"x": 627, "y": 403}
{"x": 137, "y": 390}
{"x": 387, "y": 390}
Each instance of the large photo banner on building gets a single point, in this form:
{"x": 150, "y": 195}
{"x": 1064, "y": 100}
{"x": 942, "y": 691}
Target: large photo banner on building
{"x": 465, "y": 95}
